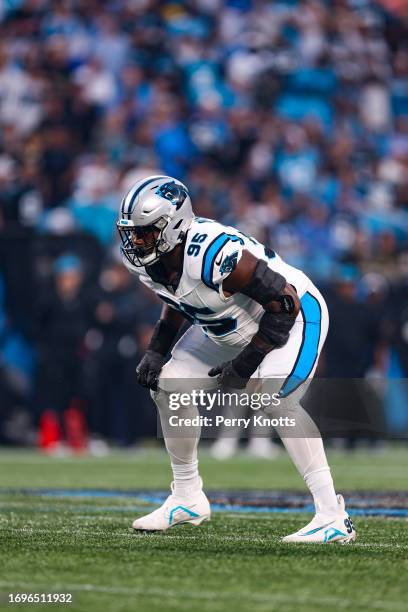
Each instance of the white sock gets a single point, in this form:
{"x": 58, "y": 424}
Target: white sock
{"x": 186, "y": 478}
{"x": 182, "y": 450}
{"x": 321, "y": 486}
{"x": 307, "y": 453}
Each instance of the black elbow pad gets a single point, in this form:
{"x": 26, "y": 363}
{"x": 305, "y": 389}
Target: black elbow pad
{"x": 265, "y": 285}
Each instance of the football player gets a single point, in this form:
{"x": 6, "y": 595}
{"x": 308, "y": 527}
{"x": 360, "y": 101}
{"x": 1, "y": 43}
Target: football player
{"x": 253, "y": 316}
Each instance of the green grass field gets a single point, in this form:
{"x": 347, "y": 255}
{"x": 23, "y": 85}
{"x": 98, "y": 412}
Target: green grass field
{"x": 83, "y": 545}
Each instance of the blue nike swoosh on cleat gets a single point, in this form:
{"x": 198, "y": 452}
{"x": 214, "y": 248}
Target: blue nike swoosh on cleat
{"x": 317, "y": 529}
{"x": 184, "y": 509}
{"x": 332, "y": 533}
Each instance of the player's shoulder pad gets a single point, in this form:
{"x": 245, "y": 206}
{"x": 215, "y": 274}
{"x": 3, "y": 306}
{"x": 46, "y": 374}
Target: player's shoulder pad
{"x": 212, "y": 251}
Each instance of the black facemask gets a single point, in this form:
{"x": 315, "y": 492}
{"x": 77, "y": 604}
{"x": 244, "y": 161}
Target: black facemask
{"x": 136, "y": 254}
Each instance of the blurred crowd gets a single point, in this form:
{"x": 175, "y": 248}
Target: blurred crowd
{"x": 286, "y": 118}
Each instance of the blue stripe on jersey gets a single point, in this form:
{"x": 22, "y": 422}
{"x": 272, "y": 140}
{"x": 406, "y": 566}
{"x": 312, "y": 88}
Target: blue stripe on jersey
{"x": 129, "y": 206}
{"x": 312, "y": 315}
{"x": 210, "y": 256}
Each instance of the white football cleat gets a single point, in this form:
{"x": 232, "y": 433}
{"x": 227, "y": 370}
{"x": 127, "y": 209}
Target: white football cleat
{"x": 194, "y": 509}
{"x": 325, "y": 528}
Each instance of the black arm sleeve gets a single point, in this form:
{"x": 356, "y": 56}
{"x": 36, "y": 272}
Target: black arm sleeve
{"x": 265, "y": 285}
{"x": 163, "y": 337}
{"x": 274, "y": 328}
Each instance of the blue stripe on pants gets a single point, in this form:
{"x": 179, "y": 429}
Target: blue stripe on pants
{"x": 308, "y": 352}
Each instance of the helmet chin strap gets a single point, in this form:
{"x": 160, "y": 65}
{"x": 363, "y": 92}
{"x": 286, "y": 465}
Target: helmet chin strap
{"x": 161, "y": 245}
{"x": 180, "y": 239}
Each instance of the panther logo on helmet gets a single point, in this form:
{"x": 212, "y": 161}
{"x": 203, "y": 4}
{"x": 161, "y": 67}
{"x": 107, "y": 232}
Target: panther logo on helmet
{"x": 176, "y": 194}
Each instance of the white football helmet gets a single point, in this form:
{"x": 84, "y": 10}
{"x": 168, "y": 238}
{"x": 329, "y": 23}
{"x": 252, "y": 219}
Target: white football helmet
{"x": 157, "y": 209}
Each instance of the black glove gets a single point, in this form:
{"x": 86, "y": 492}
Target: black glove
{"x": 228, "y": 377}
{"x": 148, "y": 370}
{"x": 236, "y": 373}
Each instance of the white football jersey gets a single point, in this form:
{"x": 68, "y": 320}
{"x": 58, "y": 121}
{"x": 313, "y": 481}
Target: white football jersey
{"x": 211, "y": 253}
